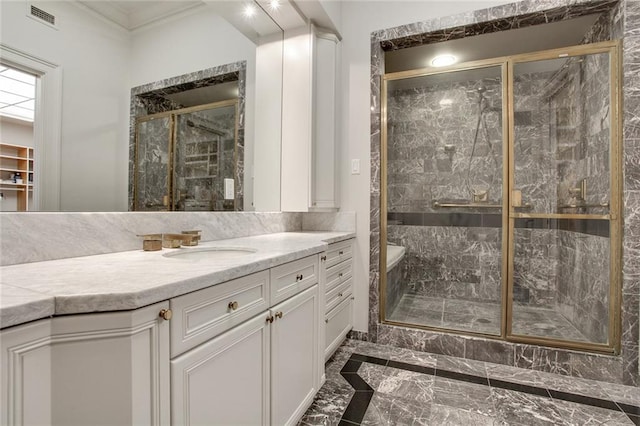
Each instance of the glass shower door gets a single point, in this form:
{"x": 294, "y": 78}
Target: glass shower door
{"x": 563, "y": 190}
{"x": 205, "y": 158}
{"x": 443, "y": 187}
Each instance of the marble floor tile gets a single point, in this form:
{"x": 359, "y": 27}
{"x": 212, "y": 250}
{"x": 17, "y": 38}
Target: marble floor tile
{"x": 517, "y": 408}
{"x": 482, "y": 317}
{"x": 390, "y": 410}
{"x": 621, "y": 393}
{"x": 404, "y": 387}
{"x": 329, "y": 404}
{"x": 413, "y": 386}
{"x": 579, "y": 415}
{"x": 450, "y": 416}
{"x": 477, "y": 398}
{"x": 461, "y": 365}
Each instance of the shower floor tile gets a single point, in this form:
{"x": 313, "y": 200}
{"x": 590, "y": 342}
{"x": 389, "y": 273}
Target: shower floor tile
{"x": 429, "y": 389}
{"x": 482, "y": 317}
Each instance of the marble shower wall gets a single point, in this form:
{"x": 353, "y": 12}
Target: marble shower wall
{"x": 430, "y": 142}
{"x": 152, "y": 177}
{"x": 621, "y": 19}
{"x": 451, "y": 262}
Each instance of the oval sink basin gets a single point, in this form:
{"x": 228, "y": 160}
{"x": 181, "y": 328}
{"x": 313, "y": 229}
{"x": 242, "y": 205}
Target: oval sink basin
{"x": 211, "y": 253}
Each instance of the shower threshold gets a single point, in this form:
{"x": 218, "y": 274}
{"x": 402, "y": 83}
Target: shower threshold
{"x": 482, "y": 317}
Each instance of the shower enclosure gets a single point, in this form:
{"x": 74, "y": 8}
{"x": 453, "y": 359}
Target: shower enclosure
{"x": 501, "y": 192}
{"x": 186, "y": 159}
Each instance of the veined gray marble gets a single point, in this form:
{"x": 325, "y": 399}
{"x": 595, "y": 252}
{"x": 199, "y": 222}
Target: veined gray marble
{"x": 130, "y": 280}
{"x": 340, "y": 221}
{"x": 620, "y": 19}
{"x": 46, "y": 236}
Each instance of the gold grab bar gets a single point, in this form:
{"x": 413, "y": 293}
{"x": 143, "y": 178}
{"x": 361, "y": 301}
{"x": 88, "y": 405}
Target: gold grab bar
{"x": 585, "y": 206}
{"x": 439, "y": 205}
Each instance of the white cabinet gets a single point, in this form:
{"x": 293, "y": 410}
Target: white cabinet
{"x": 338, "y": 294}
{"x": 309, "y": 175}
{"x": 98, "y": 369}
{"x": 224, "y": 381}
{"x": 294, "y": 356}
{"x": 246, "y": 352}
{"x": 265, "y": 370}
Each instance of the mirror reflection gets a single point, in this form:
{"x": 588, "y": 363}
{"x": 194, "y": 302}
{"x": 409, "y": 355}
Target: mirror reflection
{"x": 99, "y": 53}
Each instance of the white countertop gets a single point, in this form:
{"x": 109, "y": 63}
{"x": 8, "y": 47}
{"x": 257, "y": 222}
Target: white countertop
{"x": 132, "y": 279}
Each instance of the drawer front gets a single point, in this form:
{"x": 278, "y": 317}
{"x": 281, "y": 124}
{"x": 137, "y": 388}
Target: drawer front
{"x": 291, "y": 278}
{"x": 338, "y": 274}
{"x": 339, "y": 323}
{"x": 203, "y": 314}
{"x": 339, "y": 252}
{"x": 338, "y": 294}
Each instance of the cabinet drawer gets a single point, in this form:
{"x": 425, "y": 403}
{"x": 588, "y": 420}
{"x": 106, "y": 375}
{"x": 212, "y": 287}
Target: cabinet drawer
{"x": 291, "y": 278}
{"x": 338, "y": 325}
{"x": 339, "y": 293}
{"x": 338, "y": 274}
{"x": 203, "y": 314}
{"x": 338, "y": 252}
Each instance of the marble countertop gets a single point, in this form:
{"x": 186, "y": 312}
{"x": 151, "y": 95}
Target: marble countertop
{"x": 132, "y": 279}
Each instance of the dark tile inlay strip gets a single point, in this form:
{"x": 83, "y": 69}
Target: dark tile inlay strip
{"x": 359, "y": 403}
{"x": 596, "y": 227}
{"x": 533, "y": 390}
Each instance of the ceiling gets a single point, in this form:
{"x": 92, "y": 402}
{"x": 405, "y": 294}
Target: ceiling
{"x": 135, "y": 14}
{"x": 493, "y": 45}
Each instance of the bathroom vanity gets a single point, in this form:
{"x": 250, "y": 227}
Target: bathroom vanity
{"x": 210, "y": 337}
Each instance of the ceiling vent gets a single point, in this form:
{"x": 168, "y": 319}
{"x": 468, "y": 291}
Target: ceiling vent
{"x": 41, "y": 16}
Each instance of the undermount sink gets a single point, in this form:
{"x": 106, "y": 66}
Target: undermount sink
{"x": 211, "y": 253}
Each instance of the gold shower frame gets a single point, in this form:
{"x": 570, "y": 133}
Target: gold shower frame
{"x": 510, "y": 212}
{"x": 171, "y": 205}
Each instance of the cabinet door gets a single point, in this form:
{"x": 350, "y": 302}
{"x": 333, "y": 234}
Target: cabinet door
{"x": 25, "y": 374}
{"x": 224, "y": 381}
{"x": 111, "y": 368}
{"x": 295, "y": 348}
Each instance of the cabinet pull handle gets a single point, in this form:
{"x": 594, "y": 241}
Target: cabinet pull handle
{"x": 327, "y": 321}
{"x": 270, "y": 319}
{"x": 353, "y": 298}
{"x": 279, "y": 314}
{"x": 323, "y": 258}
{"x": 339, "y": 294}
{"x": 166, "y": 314}
{"x": 340, "y": 253}
{"x": 340, "y": 274}
{"x": 233, "y": 305}
{"x": 299, "y": 277}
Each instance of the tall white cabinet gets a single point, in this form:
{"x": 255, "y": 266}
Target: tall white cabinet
{"x": 309, "y": 172}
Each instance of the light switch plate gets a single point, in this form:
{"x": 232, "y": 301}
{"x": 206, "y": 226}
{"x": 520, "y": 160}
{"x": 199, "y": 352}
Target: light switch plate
{"x": 355, "y": 166}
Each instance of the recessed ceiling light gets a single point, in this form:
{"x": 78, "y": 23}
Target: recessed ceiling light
{"x": 443, "y": 60}
{"x": 249, "y": 10}
{"x": 275, "y": 4}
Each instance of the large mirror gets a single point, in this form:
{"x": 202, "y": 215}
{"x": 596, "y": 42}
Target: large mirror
{"x": 90, "y": 56}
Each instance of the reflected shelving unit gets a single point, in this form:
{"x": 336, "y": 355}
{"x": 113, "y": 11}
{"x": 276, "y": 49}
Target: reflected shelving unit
{"x": 16, "y": 159}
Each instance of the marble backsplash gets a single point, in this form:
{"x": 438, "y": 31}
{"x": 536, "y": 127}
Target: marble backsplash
{"x": 38, "y": 237}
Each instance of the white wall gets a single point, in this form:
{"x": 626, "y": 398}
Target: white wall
{"x": 359, "y": 19}
{"x": 93, "y": 56}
